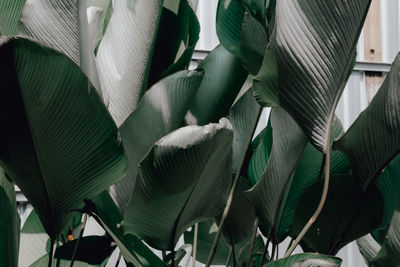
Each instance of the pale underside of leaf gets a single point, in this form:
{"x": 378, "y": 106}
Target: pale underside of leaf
{"x": 125, "y": 54}
{"x": 307, "y": 260}
{"x": 160, "y": 111}
{"x": 313, "y": 45}
{"x": 373, "y": 140}
{"x": 184, "y": 178}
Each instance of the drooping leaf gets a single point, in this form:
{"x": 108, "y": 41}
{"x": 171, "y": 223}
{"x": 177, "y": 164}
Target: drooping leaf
{"x": 58, "y": 127}
{"x": 181, "y": 257}
{"x": 373, "y": 140}
{"x": 60, "y": 262}
{"x": 9, "y": 223}
{"x": 160, "y": 111}
{"x": 184, "y": 178}
{"x": 307, "y": 259}
{"x": 103, "y": 209}
{"x": 10, "y": 13}
{"x": 223, "y": 78}
{"x": 308, "y": 59}
{"x": 287, "y": 147}
{"x": 177, "y": 36}
{"x": 125, "y": 54}
{"x": 62, "y": 25}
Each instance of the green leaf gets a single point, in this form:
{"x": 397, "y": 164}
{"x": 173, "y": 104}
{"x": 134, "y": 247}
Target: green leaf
{"x": 261, "y": 146}
{"x": 58, "y": 127}
{"x": 92, "y": 250}
{"x": 243, "y": 116}
{"x": 389, "y": 255}
{"x": 373, "y": 140}
{"x": 206, "y": 236}
{"x": 252, "y": 45}
{"x": 184, "y": 178}
{"x": 230, "y": 19}
{"x": 306, "y": 174}
{"x": 62, "y": 25}
{"x": 309, "y": 56}
{"x": 125, "y": 54}
{"x": 287, "y": 147}
{"x": 10, "y": 13}
{"x": 160, "y": 111}
{"x": 177, "y": 36}
{"x": 368, "y": 247}
{"x": 103, "y": 209}
{"x": 307, "y": 259}
{"x": 348, "y": 213}
{"x": 223, "y": 78}
{"x": 9, "y": 223}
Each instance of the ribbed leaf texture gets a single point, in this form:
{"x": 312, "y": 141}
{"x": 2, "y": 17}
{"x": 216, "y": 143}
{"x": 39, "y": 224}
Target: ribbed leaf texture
{"x": 160, "y": 111}
{"x": 287, "y": 147}
{"x": 373, "y": 140}
{"x": 10, "y": 12}
{"x": 125, "y": 54}
{"x": 58, "y": 127}
{"x": 312, "y": 49}
{"x": 184, "y": 178}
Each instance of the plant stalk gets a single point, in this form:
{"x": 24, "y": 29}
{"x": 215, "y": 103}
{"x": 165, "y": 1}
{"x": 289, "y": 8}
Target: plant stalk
{"x": 229, "y": 258}
{"x": 196, "y": 232}
{"x": 118, "y": 260}
{"x": 253, "y": 238}
{"x": 51, "y": 252}
{"x": 321, "y": 202}
{"x": 79, "y": 239}
{"x": 230, "y": 198}
{"x": 266, "y": 247}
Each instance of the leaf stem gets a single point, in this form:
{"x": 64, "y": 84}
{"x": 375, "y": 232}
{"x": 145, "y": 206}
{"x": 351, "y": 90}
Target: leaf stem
{"x": 230, "y": 198}
{"x": 79, "y": 239}
{"x": 327, "y": 158}
{"x": 51, "y": 252}
{"x": 119, "y": 259}
{"x": 266, "y": 247}
{"x": 195, "y": 234}
{"x": 229, "y": 258}
{"x": 253, "y": 238}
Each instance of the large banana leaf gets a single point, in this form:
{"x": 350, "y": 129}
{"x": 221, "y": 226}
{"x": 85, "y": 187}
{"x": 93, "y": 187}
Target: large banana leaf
{"x": 62, "y": 25}
{"x": 125, "y": 54}
{"x": 374, "y": 138}
{"x": 287, "y": 147}
{"x": 9, "y": 223}
{"x": 58, "y": 127}
{"x": 177, "y": 36}
{"x": 308, "y": 60}
{"x": 223, "y": 78}
{"x": 10, "y": 12}
{"x": 103, "y": 209}
{"x": 160, "y": 111}
{"x": 307, "y": 259}
{"x": 184, "y": 178}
